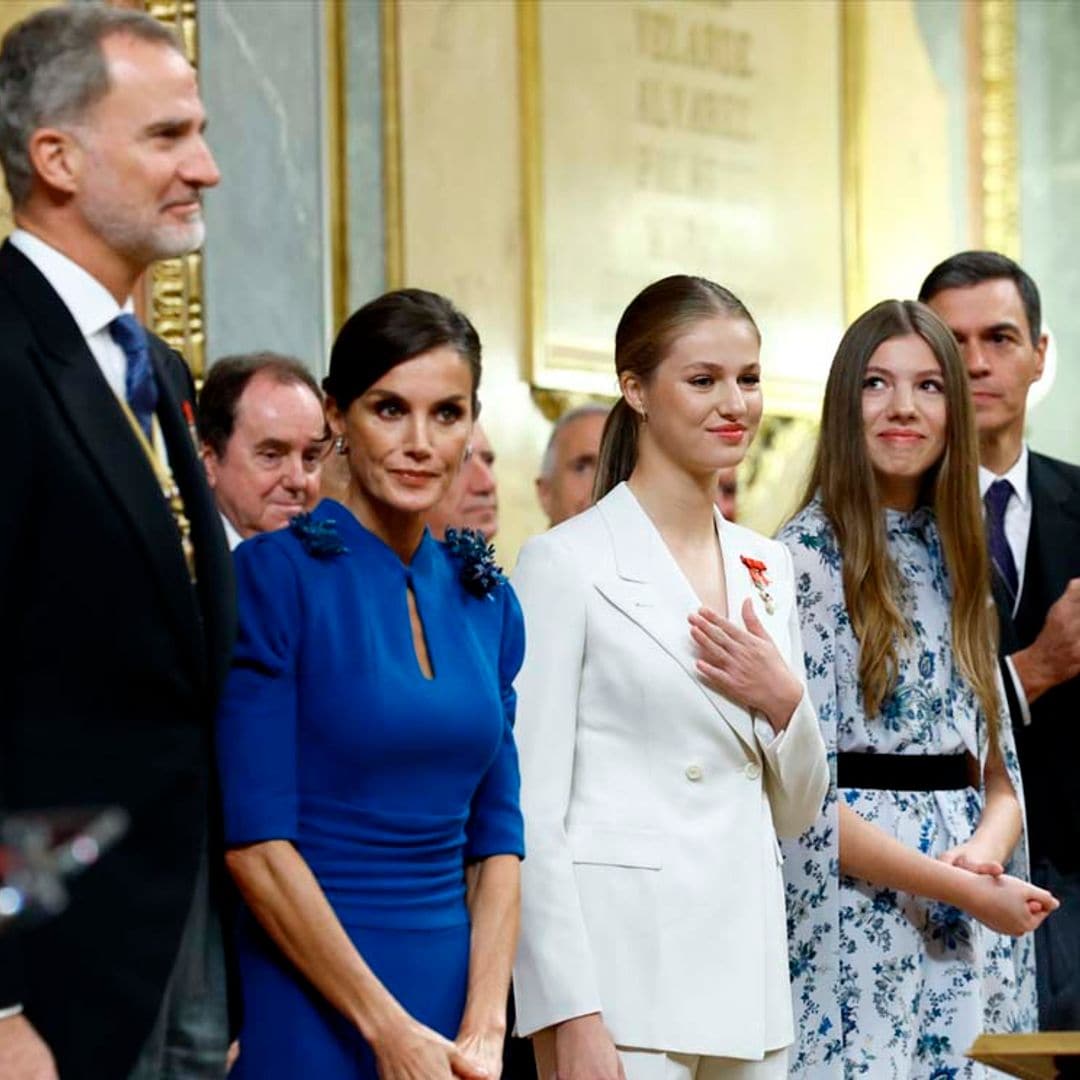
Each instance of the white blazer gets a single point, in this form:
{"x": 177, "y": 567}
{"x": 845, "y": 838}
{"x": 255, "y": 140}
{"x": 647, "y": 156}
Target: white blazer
{"x": 651, "y": 889}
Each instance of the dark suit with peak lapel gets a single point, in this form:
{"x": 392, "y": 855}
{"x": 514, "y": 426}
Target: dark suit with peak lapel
{"x": 110, "y": 663}
{"x": 1049, "y": 747}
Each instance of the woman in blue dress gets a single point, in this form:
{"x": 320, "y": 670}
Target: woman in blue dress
{"x": 909, "y": 922}
{"x": 367, "y": 760}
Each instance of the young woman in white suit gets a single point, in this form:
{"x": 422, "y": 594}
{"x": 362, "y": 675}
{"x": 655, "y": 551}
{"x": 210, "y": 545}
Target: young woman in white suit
{"x": 665, "y": 732}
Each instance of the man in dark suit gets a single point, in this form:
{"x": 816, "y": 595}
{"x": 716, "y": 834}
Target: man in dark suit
{"x": 115, "y": 582}
{"x": 1033, "y": 528}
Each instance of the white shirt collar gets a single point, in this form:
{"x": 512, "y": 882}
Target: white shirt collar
{"x": 231, "y": 535}
{"x": 92, "y": 306}
{"x": 1017, "y": 476}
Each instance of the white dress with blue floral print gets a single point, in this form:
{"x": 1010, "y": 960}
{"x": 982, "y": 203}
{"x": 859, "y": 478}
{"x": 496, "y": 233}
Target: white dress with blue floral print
{"x": 887, "y": 985}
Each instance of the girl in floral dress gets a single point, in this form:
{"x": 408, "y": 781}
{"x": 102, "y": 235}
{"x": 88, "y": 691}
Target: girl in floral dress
{"x": 909, "y": 921}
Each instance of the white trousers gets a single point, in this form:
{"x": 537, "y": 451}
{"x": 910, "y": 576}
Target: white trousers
{"x": 657, "y": 1065}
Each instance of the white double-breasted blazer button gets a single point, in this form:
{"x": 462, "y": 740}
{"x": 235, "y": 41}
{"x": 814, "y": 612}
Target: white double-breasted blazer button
{"x": 751, "y": 770}
{"x": 694, "y": 772}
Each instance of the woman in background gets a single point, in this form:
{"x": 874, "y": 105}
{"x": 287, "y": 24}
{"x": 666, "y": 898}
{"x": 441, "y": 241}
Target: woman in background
{"x": 665, "y": 733}
{"x": 369, "y": 771}
{"x": 906, "y": 929}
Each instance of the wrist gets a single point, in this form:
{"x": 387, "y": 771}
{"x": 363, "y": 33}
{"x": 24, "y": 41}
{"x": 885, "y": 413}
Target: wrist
{"x": 963, "y": 889}
{"x": 490, "y": 1025}
{"x": 585, "y": 1020}
{"x": 782, "y": 704}
{"x": 989, "y": 846}
{"x": 381, "y": 1025}
{"x": 1031, "y": 670}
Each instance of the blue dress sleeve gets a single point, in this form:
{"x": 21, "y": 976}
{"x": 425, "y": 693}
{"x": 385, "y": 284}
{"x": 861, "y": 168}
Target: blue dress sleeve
{"x": 495, "y": 825}
{"x": 257, "y": 717}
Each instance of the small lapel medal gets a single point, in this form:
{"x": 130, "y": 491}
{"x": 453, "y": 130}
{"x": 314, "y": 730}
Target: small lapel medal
{"x": 757, "y": 575}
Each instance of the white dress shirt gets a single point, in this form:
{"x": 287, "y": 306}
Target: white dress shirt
{"x": 232, "y": 537}
{"x": 92, "y": 306}
{"x": 1017, "y": 532}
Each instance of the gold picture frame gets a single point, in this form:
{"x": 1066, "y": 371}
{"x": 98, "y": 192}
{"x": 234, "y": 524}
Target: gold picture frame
{"x": 563, "y": 379}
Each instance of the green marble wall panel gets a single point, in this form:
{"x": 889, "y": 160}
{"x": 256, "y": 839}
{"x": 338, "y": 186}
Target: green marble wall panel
{"x": 1049, "y": 105}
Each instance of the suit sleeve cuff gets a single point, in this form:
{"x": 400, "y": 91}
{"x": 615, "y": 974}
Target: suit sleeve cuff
{"x": 1018, "y": 687}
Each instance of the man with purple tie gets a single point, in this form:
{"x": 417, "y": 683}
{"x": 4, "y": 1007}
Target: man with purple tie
{"x": 1033, "y": 529}
{"x": 115, "y": 581}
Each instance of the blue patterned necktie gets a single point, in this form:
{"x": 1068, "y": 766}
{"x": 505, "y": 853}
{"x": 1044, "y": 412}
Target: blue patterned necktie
{"x": 139, "y": 386}
{"x": 996, "y": 499}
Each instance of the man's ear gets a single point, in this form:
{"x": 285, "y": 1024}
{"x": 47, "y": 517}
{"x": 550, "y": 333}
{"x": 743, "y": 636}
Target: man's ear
{"x": 543, "y": 494}
{"x": 1040, "y": 355}
{"x": 210, "y": 464}
{"x": 57, "y": 158}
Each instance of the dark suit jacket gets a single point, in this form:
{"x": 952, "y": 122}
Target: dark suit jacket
{"x": 110, "y": 663}
{"x": 1049, "y": 748}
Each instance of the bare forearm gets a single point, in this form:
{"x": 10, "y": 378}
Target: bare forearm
{"x": 494, "y": 910}
{"x": 1001, "y": 821}
{"x": 870, "y": 853}
{"x": 285, "y": 897}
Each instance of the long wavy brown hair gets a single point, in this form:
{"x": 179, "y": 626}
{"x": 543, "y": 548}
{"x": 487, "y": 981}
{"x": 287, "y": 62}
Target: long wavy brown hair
{"x": 844, "y": 480}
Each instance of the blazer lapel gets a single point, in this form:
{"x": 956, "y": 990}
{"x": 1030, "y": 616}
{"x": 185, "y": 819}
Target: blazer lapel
{"x": 651, "y": 591}
{"x": 99, "y": 424}
{"x": 1054, "y": 521}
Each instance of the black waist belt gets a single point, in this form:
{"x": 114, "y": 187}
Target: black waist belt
{"x": 906, "y": 772}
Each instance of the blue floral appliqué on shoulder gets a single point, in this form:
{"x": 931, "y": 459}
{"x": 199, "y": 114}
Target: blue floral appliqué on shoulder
{"x": 479, "y": 573}
{"x": 320, "y": 539}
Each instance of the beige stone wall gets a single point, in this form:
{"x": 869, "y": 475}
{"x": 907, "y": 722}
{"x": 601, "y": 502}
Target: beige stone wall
{"x": 462, "y": 208}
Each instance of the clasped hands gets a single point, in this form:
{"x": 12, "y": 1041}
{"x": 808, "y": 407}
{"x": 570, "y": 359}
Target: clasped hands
{"x": 745, "y": 665}
{"x": 409, "y": 1050}
{"x": 1006, "y": 904}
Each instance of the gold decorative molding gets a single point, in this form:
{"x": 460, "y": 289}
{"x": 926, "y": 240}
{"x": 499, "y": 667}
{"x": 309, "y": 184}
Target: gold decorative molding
{"x": 336, "y": 20}
{"x": 393, "y": 195}
{"x": 176, "y": 285}
{"x": 994, "y": 141}
{"x": 775, "y": 471}
{"x": 553, "y": 403}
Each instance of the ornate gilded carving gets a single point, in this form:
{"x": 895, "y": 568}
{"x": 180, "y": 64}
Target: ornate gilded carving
{"x": 176, "y": 287}
{"x": 994, "y": 147}
{"x": 394, "y": 257}
{"x": 337, "y": 18}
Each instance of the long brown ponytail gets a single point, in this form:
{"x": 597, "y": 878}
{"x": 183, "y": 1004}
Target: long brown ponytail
{"x": 648, "y": 327}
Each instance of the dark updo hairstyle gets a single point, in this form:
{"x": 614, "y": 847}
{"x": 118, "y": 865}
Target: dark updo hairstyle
{"x": 658, "y": 315}
{"x": 391, "y": 329}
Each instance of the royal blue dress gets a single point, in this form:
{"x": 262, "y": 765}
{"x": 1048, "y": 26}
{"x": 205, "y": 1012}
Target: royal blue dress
{"x": 388, "y": 783}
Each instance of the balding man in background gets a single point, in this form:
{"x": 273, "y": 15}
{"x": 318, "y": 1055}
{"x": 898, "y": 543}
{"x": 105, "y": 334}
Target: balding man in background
{"x": 568, "y": 468}
{"x": 472, "y": 500}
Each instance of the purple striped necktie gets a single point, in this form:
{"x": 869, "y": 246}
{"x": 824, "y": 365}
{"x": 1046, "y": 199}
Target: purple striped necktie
{"x": 996, "y": 500}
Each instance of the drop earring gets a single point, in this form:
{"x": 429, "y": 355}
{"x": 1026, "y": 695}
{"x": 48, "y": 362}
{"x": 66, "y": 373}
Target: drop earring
{"x": 340, "y": 445}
